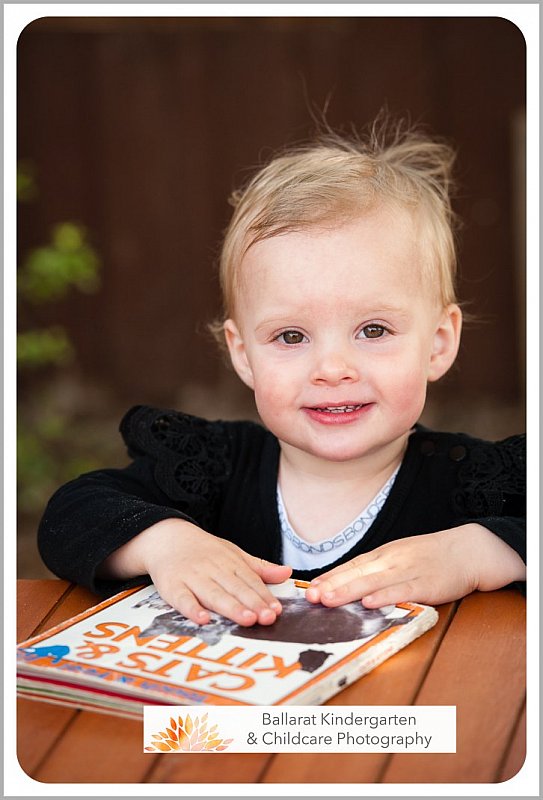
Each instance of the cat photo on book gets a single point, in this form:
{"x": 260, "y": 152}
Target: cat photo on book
{"x": 299, "y": 621}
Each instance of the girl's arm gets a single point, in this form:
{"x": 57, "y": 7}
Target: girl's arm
{"x": 484, "y": 549}
{"x": 113, "y": 528}
{"x": 432, "y": 568}
{"x": 196, "y": 572}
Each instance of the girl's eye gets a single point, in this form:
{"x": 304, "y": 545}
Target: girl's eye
{"x": 373, "y": 331}
{"x": 290, "y": 337}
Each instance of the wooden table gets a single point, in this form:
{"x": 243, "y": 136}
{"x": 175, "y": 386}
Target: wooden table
{"x": 474, "y": 658}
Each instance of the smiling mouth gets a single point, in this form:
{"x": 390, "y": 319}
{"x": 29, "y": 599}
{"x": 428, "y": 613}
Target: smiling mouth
{"x": 341, "y": 414}
{"x": 338, "y": 409}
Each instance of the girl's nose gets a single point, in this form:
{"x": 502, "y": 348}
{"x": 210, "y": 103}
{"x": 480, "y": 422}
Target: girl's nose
{"x": 333, "y": 369}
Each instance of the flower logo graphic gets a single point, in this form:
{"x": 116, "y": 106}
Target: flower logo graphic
{"x": 188, "y": 735}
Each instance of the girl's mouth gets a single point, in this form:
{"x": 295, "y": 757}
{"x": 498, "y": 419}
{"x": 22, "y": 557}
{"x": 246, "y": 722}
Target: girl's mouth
{"x": 340, "y": 414}
{"x": 339, "y": 409}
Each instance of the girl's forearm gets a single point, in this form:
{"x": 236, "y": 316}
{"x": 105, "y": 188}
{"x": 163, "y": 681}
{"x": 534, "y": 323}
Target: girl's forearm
{"x": 132, "y": 558}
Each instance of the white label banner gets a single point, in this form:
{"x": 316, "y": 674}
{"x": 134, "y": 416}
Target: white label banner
{"x": 300, "y": 729}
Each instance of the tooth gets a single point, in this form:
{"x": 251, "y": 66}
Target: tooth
{"x": 339, "y": 409}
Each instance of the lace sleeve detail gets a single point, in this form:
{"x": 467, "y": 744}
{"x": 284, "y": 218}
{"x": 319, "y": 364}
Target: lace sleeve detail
{"x": 191, "y": 455}
{"x": 492, "y": 480}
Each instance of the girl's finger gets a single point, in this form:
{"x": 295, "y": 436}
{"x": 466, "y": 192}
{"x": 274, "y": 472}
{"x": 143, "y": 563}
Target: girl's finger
{"x": 248, "y": 588}
{"x": 267, "y": 570}
{"x": 345, "y": 583}
{"x": 214, "y": 597}
{"x": 184, "y": 600}
{"x": 403, "y": 592}
{"x": 357, "y": 587}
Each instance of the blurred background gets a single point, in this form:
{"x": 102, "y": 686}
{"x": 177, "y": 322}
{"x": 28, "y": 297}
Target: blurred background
{"x": 132, "y": 132}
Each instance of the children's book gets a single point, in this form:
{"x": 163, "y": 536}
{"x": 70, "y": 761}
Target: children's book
{"x": 134, "y": 650}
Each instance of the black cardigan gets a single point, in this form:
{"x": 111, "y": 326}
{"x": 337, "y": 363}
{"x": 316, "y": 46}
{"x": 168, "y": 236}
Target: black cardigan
{"x": 223, "y": 476}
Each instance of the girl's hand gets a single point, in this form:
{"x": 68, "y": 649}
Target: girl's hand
{"x": 196, "y": 572}
{"x": 432, "y": 568}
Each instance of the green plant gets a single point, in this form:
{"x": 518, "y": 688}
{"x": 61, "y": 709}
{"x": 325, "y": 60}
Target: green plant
{"x": 47, "y": 274}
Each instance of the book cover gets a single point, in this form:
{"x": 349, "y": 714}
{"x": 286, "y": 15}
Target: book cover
{"x": 134, "y": 649}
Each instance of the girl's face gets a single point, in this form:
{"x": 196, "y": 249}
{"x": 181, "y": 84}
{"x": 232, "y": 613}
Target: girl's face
{"x": 338, "y": 334}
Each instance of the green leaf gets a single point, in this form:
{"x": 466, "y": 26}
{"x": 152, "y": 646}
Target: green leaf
{"x": 37, "y": 348}
{"x": 26, "y": 184}
{"x": 49, "y": 272}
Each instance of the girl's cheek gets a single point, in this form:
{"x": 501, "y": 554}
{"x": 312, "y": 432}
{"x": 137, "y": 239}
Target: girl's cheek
{"x": 412, "y": 389}
{"x": 269, "y": 398}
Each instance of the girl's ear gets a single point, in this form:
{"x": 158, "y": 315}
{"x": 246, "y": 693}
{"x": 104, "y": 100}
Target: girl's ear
{"x": 238, "y": 354}
{"x": 446, "y": 342}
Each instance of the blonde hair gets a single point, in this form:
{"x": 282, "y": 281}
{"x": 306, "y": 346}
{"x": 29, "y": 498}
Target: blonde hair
{"x": 336, "y": 178}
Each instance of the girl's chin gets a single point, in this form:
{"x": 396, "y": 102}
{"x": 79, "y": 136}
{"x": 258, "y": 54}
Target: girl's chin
{"x": 342, "y": 446}
{"x": 334, "y": 454}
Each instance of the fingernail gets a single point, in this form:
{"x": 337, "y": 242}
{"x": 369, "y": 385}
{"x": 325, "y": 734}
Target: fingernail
{"x": 315, "y": 581}
{"x": 329, "y": 595}
{"x": 246, "y": 614}
{"x": 276, "y": 606}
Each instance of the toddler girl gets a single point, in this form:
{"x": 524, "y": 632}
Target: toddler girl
{"x": 337, "y": 272}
